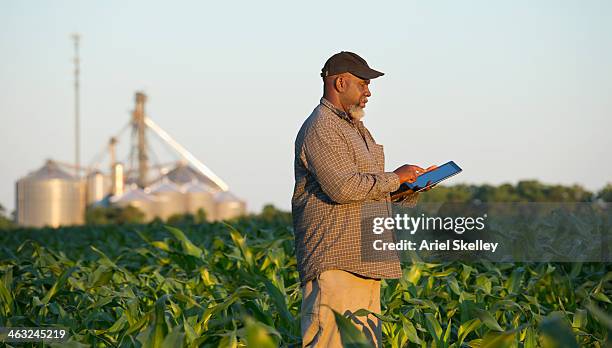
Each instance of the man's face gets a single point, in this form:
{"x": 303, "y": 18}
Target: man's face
{"x": 357, "y": 91}
{"x": 355, "y": 95}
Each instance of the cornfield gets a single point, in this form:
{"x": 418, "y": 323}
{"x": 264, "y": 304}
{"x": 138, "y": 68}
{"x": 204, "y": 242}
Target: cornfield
{"x": 235, "y": 285}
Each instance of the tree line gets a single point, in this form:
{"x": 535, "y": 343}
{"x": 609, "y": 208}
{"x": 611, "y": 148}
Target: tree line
{"x": 523, "y": 191}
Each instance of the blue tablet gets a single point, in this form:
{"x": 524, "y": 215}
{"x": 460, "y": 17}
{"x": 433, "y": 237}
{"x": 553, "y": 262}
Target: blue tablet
{"x": 435, "y": 176}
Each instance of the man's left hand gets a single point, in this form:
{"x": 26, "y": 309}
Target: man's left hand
{"x": 428, "y": 187}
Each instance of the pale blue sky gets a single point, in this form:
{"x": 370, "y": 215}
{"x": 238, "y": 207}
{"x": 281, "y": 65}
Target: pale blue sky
{"x": 509, "y": 90}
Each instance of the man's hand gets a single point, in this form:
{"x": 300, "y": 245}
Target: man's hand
{"x": 408, "y": 173}
{"x": 429, "y": 182}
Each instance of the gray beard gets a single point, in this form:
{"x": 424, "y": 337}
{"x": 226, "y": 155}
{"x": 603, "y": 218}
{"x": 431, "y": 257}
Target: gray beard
{"x": 356, "y": 112}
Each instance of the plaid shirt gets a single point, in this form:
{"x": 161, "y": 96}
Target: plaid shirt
{"x": 338, "y": 167}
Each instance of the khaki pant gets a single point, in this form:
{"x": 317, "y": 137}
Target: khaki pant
{"x": 345, "y": 293}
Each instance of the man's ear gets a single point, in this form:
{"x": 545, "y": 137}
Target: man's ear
{"x": 340, "y": 83}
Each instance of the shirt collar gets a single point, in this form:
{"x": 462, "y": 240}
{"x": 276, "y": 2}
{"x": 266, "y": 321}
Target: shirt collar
{"x": 335, "y": 110}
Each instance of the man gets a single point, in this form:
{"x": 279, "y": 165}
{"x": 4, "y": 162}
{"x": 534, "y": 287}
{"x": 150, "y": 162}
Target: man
{"x": 339, "y": 167}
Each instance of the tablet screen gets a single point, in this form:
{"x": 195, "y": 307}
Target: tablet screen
{"x": 435, "y": 176}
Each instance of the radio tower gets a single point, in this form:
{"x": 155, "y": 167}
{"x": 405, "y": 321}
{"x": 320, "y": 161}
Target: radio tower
{"x": 77, "y": 141}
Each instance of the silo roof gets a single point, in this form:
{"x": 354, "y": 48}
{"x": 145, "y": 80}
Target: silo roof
{"x": 226, "y": 197}
{"x": 50, "y": 170}
{"x": 133, "y": 194}
{"x": 196, "y": 186}
{"x": 183, "y": 174}
{"x": 165, "y": 186}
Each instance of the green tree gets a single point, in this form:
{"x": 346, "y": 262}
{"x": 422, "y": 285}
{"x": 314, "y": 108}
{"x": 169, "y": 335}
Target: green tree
{"x": 188, "y": 219}
{"x": 200, "y": 216}
{"x": 113, "y": 215}
{"x": 5, "y": 222}
{"x": 523, "y": 191}
{"x": 131, "y": 215}
{"x": 606, "y": 193}
{"x": 270, "y": 213}
{"x": 453, "y": 194}
{"x": 181, "y": 219}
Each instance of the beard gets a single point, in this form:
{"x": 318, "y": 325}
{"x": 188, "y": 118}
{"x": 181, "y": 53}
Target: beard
{"x": 356, "y": 112}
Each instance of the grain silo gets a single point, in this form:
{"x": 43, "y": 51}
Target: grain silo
{"x": 228, "y": 206}
{"x": 170, "y": 199}
{"x": 139, "y": 199}
{"x": 98, "y": 186}
{"x": 199, "y": 196}
{"x": 50, "y": 197}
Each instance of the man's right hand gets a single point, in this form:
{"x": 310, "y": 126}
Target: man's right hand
{"x": 409, "y": 173}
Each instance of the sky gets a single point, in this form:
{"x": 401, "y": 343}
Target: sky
{"x": 509, "y": 90}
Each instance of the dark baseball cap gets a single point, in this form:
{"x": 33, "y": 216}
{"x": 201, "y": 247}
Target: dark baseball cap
{"x": 349, "y": 62}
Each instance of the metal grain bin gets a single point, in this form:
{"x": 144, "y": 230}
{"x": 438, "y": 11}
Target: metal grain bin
{"x": 98, "y": 186}
{"x": 199, "y": 196}
{"x": 50, "y": 197}
{"x": 117, "y": 179}
{"x": 137, "y": 198}
{"x": 228, "y": 206}
{"x": 170, "y": 199}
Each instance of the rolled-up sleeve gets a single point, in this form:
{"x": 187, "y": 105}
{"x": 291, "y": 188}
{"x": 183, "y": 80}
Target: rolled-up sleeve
{"x": 329, "y": 159}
